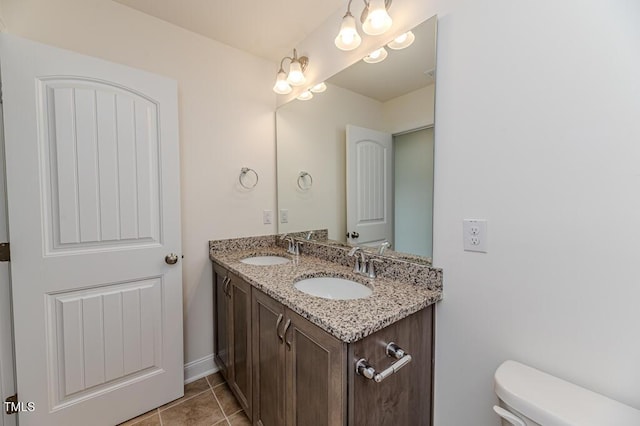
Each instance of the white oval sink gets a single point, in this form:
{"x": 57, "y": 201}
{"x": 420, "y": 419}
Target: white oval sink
{"x": 333, "y": 288}
{"x": 265, "y": 260}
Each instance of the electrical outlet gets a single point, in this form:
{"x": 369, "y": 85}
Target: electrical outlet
{"x": 267, "y": 217}
{"x": 284, "y": 216}
{"x": 474, "y": 235}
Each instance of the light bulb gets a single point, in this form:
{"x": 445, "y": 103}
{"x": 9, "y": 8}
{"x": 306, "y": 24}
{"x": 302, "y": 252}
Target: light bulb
{"x": 295, "y": 77}
{"x": 348, "y": 37}
{"x": 282, "y": 87}
{"x": 378, "y": 20}
{"x": 376, "y": 56}
{"x": 305, "y": 96}
{"x": 319, "y": 88}
{"x": 402, "y": 41}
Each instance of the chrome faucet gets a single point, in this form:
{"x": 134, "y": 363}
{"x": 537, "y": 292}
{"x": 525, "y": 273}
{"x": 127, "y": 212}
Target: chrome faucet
{"x": 293, "y": 246}
{"x": 309, "y": 234}
{"x": 363, "y": 265}
{"x": 360, "y": 264}
{"x": 383, "y": 246}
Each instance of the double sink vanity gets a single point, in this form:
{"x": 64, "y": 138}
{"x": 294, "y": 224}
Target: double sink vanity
{"x": 304, "y": 336}
{"x": 310, "y": 329}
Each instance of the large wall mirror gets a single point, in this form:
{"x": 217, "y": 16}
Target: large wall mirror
{"x": 357, "y": 159}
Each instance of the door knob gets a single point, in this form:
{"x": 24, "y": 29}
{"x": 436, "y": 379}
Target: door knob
{"x": 354, "y": 235}
{"x": 171, "y": 258}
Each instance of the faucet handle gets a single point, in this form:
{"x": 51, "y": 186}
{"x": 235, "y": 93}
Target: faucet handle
{"x": 371, "y": 269}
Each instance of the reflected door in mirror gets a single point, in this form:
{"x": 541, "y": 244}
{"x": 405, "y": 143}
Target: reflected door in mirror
{"x": 369, "y": 180}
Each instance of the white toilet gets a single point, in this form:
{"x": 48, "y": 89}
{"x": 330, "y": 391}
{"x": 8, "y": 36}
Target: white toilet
{"x": 529, "y": 397}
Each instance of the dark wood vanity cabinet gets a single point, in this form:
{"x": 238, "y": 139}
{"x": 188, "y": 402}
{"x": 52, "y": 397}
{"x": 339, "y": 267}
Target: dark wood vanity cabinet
{"x": 299, "y": 369}
{"x": 284, "y": 370}
{"x": 404, "y": 398}
{"x": 232, "y": 299}
{"x": 221, "y": 302}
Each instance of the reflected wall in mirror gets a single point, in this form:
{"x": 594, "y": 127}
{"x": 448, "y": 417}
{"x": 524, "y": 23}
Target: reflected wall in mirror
{"x": 320, "y": 181}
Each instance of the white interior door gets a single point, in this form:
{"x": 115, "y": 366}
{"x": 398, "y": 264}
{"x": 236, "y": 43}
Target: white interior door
{"x": 94, "y": 208}
{"x": 369, "y": 186}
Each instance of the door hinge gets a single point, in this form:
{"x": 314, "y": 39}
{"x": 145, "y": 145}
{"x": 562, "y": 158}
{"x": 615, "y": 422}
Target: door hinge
{"x": 11, "y": 404}
{"x": 5, "y": 252}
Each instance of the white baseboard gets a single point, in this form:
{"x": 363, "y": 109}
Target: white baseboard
{"x": 199, "y": 368}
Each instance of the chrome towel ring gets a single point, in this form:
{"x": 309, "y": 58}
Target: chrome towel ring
{"x": 305, "y": 181}
{"x": 243, "y": 176}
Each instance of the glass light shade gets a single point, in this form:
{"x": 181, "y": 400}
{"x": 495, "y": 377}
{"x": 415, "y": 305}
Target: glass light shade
{"x": 402, "y": 41}
{"x": 378, "y": 20}
{"x": 282, "y": 87}
{"x": 319, "y": 88}
{"x": 305, "y": 96}
{"x": 348, "y": 37}
{"x": 295, "y": 77}
{"x": 376, "y": 56}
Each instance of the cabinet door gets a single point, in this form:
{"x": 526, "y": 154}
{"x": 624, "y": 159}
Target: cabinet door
{"x": 221, "y": 301}
{"x": 404, "y": 398}
{"x": 268, "y": 360}
{"x": 316, "y": 377}
{"x": 240, "y": 341}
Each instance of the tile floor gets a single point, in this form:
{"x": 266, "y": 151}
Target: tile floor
{"x": 206, "y": 402}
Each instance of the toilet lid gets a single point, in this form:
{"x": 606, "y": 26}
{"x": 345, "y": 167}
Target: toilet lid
{"x": 551, "y": 401}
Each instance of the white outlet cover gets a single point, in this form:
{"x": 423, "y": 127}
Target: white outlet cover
{"x": 284, "y": 216}
{"x": 267, "y": 217}
{"x": 474, "y": 235}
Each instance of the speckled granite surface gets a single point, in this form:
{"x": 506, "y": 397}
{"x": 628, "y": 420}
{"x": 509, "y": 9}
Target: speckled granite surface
{"x": 401, "y": 288}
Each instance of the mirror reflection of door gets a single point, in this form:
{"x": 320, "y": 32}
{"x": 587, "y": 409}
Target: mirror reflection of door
{"x": 369, "y": 191}
{"x": 413, "y": 192}
{"x": 390, "y": 189}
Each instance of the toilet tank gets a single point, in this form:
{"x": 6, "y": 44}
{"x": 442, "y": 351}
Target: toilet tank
{"x": 538, "y": 398}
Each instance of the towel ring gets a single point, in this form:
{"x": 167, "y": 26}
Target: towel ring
{"x": 243, "y": 173}
{"x": 301, "y": 181}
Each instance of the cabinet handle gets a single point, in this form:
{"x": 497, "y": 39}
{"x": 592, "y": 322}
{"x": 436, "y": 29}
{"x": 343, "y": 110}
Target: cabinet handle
{"x": 226, "y": 281}
{"x": 286, "y": 327}
{"x": 278, "y": 325}
{"x": 363, "y": 368}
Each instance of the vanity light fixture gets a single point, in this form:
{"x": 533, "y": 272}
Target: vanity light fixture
{"x": 375, "y": 21}
{"x": 402, "y": 41}
{"x": 282, "y": 87}
{"x": 295, "y": 76}
{"x": 319, "y": 88}
{"x": 305, "y": 96}
{"x": 376, "y": 56}
{"x": 348, "y": 37}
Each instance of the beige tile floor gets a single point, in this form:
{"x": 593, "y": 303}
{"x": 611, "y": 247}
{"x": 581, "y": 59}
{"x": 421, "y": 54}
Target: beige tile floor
{"x": 206, "y": 402}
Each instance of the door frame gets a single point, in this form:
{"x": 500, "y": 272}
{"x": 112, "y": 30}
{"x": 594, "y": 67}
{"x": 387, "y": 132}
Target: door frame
{"x": 393, "y": 172}
{"x": 7, "y": 354}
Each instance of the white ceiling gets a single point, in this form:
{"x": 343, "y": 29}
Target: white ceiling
{"x": 266, "y": 28}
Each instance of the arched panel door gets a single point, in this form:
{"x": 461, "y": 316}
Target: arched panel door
{"x": 94, "y": 208}
{"x": 369, "y": 186}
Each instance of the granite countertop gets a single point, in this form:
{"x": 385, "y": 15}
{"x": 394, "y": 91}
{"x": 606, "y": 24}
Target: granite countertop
{"x": 348, "y": 320}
